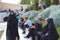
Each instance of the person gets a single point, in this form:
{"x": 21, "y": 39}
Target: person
{"x": 38, "y": 23}
{"x": 12, "y": 27}
{"x": 32, "y": 32}
{"x": 17, "y": 16}
{"x": 21, "y": 8}
{"x": 21, "y": 22}
{"x": 28, "y": 23}
{"x": 50, "y": 32}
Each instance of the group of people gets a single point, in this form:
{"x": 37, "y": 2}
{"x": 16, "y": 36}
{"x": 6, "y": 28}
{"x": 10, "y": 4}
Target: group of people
{"x": 38, "y": 32}
{"x": 36, "y": 29}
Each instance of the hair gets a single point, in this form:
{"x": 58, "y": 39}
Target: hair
{"x": 11, "y": 11}
{"x": 40, "y": 19}
{"x": 26, "y": 17}
{"x": 33, "y": 24}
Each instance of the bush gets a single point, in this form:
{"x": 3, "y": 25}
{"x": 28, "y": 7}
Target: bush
{"x": 25, "y": 2}
{"x": 31, "y": 14}
{"x": 56, "y": 2}
{"x": 28, "y": 9}
{"x": 52, "y": 12}
{"x": 44, "y": 14}
{"x": 48, "y": 3}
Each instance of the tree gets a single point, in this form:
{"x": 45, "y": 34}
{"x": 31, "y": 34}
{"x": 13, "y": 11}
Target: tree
{"x": 36, "y": 4}
{"x": 48, "y": 3}
{"x": 25, "y": 2}
{"x": 56, "y": 2}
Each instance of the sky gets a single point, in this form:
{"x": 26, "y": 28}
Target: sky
{"x": 11, "y": 1}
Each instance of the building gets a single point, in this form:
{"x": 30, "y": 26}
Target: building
{"x": 6, "y": 6}
{"x": 0, "y": 0}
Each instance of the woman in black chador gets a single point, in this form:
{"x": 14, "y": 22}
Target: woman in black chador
{"x": 12, "y": 27}
{"x": 50, "y": 32}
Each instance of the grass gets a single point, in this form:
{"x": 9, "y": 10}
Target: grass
{"x": 1, "y": 31}
{"x": 58, "y": 30}
{"x": 40, "y": 11}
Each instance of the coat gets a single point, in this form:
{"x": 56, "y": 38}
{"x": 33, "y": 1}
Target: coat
{"x": 12, "y": 27}
{"x": 50, "y": 30}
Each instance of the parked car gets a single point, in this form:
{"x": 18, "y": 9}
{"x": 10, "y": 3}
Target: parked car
{"x": 3, "y": 16}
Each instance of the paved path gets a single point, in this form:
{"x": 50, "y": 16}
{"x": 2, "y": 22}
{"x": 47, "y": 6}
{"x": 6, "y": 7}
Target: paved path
{"x": 20, "y": 33}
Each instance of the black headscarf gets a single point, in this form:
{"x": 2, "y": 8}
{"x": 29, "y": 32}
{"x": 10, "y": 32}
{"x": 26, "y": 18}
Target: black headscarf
{"x": 52, "y": 32}
{"x": 51, "y": 24}
{"x": 11, "y": 20}
{"x": 12, "y": 25}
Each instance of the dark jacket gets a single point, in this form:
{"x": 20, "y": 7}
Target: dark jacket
{"x": 51, "y": 31}
{"x": 12, "y": 26}
{"x": 38, "y": 27}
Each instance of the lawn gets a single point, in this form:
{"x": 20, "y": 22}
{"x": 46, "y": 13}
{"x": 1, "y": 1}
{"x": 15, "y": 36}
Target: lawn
{"x": 58, "y": 29}
{"x": 1, "y": 32}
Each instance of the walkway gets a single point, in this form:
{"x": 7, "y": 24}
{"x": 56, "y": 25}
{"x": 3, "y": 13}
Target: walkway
{"x": 20, "y": 33}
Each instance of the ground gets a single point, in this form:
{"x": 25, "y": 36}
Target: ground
{"x": 20, "y": 33}
{"x": 1, "y": 31}
{"x": 3, "y": 26}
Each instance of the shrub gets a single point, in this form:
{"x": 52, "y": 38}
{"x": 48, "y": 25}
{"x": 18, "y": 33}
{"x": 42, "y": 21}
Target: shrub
{"x": 31, "y": 14}
{"x": 52, "y": 12}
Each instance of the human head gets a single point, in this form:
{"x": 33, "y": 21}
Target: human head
{"x": 40, "y": 19}
{"x": 11, "y": 13}
{"x": 46, "y": 20}
{"x": 51, "y": 25}
{"x": 25, "y": 19}
{"x": 33, "y": 24}
{"x": 17, "y": 14}
{"x": 50, "y": 20}
{"x": 36, "y": 20}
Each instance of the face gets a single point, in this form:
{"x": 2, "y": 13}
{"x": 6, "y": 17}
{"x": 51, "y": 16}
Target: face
{"x": 17, "y": 14}
{"x": 47, "y": 21}
{"x": 25, "y": 20}
{"x": 11, "y": 13}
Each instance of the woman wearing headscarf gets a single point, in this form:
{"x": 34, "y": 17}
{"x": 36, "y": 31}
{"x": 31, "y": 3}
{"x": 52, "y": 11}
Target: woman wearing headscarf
{"x": 12, "y": 29}
{"x": 49, "y": 31}
{"x": 38, "y": 24}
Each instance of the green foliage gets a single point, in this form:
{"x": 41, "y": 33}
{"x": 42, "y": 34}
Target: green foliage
{"x": 25, "y": 1}
{"x": 28, "y": 9}
{"x": 48, "y": 3}
{"x": 31, "y": 14}
{"x": 51, "y": 12}
{"x": 1, "y": 33}
{"x": 55, "y": 2}
{"x": 58, "y": 30}
{"x": 36, "y": 4}
{"x": 44, "y": 14}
